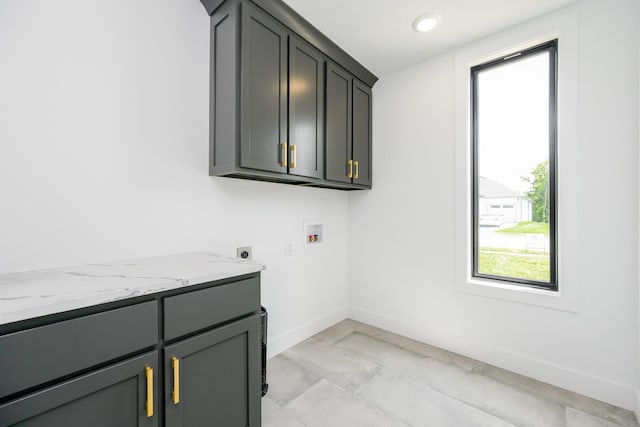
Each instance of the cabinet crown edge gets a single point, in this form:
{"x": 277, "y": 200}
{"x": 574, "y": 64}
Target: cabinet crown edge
{"x": 303, "y": 28}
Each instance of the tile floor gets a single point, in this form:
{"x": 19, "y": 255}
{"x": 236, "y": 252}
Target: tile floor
{"x": 354, "y": 375}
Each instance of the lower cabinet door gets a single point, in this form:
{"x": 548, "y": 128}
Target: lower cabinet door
{"x": 214, "y": 379}
{"x": 120, "y": 395}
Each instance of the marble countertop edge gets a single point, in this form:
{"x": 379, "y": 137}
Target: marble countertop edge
{"x": 36, "y": 293}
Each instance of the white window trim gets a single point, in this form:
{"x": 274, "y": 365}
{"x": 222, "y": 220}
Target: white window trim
{"x": 563, "y": 26}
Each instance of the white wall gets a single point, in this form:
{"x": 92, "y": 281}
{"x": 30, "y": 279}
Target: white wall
{"x": 104, "y": 152}
{"x": 402, "y": 251}
{"x": 103, "y": 155}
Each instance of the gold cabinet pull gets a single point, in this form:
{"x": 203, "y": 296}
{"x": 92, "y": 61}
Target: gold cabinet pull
{"x": 350, "y": 174}
{"x": 283, "y": 147}
{"x": 148, "y": 371}
{"x": 356, "y": 164}
{"x": 175, "y": 394}
{"x": 293, "y": 156}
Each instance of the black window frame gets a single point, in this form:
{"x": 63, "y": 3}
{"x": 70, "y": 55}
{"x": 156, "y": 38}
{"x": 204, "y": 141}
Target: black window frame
{"x": 552, "y": 48}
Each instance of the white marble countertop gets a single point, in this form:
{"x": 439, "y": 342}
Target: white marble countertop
{"x": 37, "y": 293}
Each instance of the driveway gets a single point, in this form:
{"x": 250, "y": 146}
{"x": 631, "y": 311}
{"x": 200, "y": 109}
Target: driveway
{"x": 533, "y": 242}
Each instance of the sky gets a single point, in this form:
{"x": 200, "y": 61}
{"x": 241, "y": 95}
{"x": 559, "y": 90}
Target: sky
{"x": 513, "y": 132}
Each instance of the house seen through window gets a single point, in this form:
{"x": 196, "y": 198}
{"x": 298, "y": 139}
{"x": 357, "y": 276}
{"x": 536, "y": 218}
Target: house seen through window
{"x": 514, "y": 168}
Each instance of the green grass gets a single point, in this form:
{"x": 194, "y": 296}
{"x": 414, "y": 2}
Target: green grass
{"x": 517, "y": 264}
{"x": 527, "y": 227}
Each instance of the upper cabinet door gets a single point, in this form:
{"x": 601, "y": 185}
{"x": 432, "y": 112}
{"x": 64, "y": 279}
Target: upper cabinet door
{"x": 306, "y": 112}
{"x": 264, "y": 92}
{"x": 339, "y": 166}
{"x": 361, "y": 134}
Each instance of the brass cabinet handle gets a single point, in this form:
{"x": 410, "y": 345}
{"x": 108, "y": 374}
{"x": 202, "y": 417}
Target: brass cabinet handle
{"x": 149, "y": 405}
{"x": 350, "y": 174}
{"x": 175, "y": 394}
{"x": 357, "y": 166}
{"x": 293, "y": 156}
{"x": 283, "y": 146}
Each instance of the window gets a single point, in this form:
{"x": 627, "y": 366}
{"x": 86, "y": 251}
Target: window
{"x": 514, "y": 121}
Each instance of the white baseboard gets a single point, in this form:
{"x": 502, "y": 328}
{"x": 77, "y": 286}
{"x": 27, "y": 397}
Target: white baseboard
{"x": 300, "y": 333}
{"x": 622, "y": 395}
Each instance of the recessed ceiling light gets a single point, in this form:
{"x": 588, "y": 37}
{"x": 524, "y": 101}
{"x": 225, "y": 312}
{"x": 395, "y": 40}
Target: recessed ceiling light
{"x": 426, "y": 22}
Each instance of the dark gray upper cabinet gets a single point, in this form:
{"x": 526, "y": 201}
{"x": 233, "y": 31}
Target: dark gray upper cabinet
{"x": 339, "y": 137}
{"x": 348, "y": 128}
{"x": 362, "y": 109}
{"x": 264, "y": 92}
{"x": 268, "y": 113}
{"x": 306, "y": 112}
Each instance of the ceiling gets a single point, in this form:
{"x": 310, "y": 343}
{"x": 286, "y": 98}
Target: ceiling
{"x": 378, "y": 33}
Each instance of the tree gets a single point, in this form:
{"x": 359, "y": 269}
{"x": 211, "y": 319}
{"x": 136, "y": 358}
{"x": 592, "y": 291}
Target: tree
{"x": 539, "y": 192}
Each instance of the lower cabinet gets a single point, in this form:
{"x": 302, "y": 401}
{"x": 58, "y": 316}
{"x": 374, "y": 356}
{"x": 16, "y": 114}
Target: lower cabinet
{"x": 123, "y": 395}
{"x": 213, "y": 378}
{"x": 98, "y": 370}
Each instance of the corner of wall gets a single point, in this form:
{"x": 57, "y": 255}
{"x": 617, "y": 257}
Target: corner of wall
{"x": 296, "y": 335}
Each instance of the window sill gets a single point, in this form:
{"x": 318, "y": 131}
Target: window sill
{"x": 506, "y": 291}
{"x": 511, "y": 286}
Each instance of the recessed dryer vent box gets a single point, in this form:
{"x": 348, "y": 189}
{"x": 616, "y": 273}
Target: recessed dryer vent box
{"x": 313, "y": 233}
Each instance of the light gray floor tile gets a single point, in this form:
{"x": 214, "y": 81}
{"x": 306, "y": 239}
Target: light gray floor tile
{"x": 424, "y": 349}
{"x": 287, "y": 379}
{"x": 560, "y": 396}
{"x": 274, "y": 416}
{"x": 341, "y": 330}
{"x": 326, "y": 361}
{"x": 327, "y": 405}
{"x": 421, "y": 384}
{"x": 488, "y": 395}
{"x": 420, "y": 406}
{"x": 377, "y": 351}
{"x": 344, "y": 328}
{"x": 576, "y": 418}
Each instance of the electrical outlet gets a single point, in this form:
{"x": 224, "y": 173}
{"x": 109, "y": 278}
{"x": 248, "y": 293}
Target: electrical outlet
{"x": 288, "y": 249}
{"x": 244, "y": 252}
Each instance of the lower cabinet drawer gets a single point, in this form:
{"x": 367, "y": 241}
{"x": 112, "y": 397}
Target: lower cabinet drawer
{"x": 208, "y": 307}
{"x": 122, "y": 395}
{"x": 36, "y": 356}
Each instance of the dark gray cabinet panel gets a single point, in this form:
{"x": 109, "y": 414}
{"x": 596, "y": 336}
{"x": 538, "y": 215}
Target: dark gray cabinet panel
{"x": 193, "y": 311}
{"x": 264, "y": 92}
{"x": 113, "y": 396}
{"x": 211, "y": 5}
{"x": 361, "y": 134}
{"x": 298, "y": 24}
{"x": 224, "y": 102}
{"x": 38, "y": 355}
{"x": 218, "y": 378}
{"x": 348, "y": 128}
{"x": 338, "y": 124}
{"x": 306, "y": 113}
